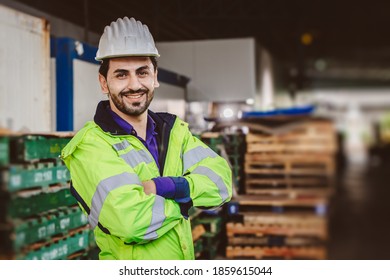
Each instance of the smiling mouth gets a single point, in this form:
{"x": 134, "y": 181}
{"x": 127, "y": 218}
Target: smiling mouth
{"x": 133, "y": 96}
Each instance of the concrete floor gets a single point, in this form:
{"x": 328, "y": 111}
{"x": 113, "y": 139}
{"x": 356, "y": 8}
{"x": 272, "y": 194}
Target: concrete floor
{"x": 359, "y": 224}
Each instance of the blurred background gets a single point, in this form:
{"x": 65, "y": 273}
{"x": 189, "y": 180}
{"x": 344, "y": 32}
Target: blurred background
{"x": 295, "y": 94}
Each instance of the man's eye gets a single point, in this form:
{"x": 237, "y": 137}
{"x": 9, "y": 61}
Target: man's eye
{"x": 120, "y": 75}
{"x": 143, "y": 73}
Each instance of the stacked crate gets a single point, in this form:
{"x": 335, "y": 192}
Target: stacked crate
{"x": 214, "y": 140}
{"x": 39, "y": 218}
{"x": 288, "y": 183}
{"x": 235, "y": 146}
{"x": 232, "y": 147}
{"x": 208, "y": 231}
{"x": 207, "y": 235}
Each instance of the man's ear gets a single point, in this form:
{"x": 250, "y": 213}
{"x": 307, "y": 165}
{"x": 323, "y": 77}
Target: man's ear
{"x": 156, "y": 83}
{"x": 103, "y": 84}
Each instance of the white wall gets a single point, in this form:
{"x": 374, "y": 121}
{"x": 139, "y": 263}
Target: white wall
{"x": 169, "y": 98}
{"x": 220, "y": 70}
{"x": 25, "y": 101}
{"x": 59, "y": 27}
{"x": 86, "y": 92}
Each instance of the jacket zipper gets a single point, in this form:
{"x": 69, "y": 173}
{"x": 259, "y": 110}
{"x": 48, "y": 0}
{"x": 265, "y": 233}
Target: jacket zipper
{"x": 162, "y": 149}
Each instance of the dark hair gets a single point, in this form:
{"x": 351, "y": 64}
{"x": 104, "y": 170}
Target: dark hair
{"x": 104, "y": 65}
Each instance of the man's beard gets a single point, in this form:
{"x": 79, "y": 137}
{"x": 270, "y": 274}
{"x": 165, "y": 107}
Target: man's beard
{"x": 137, "y": 108}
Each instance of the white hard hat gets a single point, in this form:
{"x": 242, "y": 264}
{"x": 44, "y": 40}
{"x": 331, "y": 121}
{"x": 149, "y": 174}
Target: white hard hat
{"x": 126, "y": 37}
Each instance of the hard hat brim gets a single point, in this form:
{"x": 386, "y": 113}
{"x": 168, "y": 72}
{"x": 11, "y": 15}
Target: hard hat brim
{"x": 126, "y": 55}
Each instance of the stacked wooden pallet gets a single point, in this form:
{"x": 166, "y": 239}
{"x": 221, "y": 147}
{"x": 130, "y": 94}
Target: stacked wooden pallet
{"x": 266, "y": 227}
{"x": 39, "y": 218}
{"x": 296, "y": 162}
{"x": 288, "y": 184}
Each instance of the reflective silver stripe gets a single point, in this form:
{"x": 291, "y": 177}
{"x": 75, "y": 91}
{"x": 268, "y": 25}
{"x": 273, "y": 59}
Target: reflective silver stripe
{"x": 121, "y": 146}
{"x": 133, "y": 157}
{"x": 102, "y": 191}
{"x": 158, "y": 218}
{"x": 195, "y": 155}
{"x": 223, "y": 190}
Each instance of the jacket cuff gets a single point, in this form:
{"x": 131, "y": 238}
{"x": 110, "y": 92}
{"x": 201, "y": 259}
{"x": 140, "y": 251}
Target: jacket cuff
{"x": 182, "y": 190}
{"x": 165, "y": 187}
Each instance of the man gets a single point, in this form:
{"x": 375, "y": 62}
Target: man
{"x": 136, "y": 173}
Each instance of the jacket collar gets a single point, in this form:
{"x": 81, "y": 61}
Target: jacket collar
{"x": 104, "y": 119}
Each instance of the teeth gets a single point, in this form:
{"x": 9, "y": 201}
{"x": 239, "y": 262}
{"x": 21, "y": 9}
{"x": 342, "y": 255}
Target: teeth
{"x": 134, "y": 96}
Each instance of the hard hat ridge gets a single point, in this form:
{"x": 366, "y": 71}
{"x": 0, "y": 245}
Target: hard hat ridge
{"x": 126, "y": 37}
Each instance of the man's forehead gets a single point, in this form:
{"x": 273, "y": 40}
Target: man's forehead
{"x": 131, "y": 62}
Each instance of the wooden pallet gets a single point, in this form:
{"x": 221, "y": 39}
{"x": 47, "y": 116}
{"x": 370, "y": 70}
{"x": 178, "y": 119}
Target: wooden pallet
{"x": 289, "y": 188}
{"x": 291, "y": 148}
{"x": 297, "y": 158}
{"x": 252, "y": 200}
{"x": 289, "y": 175}
{"x": 309, "y": 131}
{"x": 260, "y": 252}
{"x": 290, "y": 164}
{"x": 290, "y": 241}
{"x": 284, "y": 220}
{"x": 240, "y": 230}
{"x": 291, "y": 143}
{"x": 259, "y": 182}
{"x": 260, "y": 204}
{"x": 79, "y": 255}
{"x": 291, "y": 192}
{"x": 294, "y": 136}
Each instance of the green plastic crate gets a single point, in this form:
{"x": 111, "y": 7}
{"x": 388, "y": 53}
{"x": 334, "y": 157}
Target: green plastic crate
{"x": 198, "y": 247}
{"x": 33, "y": 203}
{"x": 211, "y": 224}
{"x": 92, "y": 240}
{"x": 34, "y": 147}
{"x": 92, "y": 253}
{"x": 21, "y": 177}
{"x": 42, "y": 228}
{"x": 211, "y": 243}
{"x": 213, "y": 142}
{"x": 61, "y": 249}
{"x": 235, "y": 139}
{"x": 4, "y": 151}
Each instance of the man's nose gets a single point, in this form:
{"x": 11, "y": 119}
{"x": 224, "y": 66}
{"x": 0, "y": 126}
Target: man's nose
{"x": 134, "y": 83}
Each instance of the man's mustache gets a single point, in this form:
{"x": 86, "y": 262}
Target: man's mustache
{"x": 138, "y": 91}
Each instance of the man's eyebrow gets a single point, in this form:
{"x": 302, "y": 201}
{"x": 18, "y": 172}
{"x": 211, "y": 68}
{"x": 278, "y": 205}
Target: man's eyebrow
{"x": 146, "y": 67}
{"x": 121, "y": 71}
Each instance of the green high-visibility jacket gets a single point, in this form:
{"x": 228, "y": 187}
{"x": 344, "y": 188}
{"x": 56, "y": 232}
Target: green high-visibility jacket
{"x": 107, "y": 168}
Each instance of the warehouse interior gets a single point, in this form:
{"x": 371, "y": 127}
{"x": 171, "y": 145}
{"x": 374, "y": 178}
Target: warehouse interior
{"x": 294, "y": 94}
